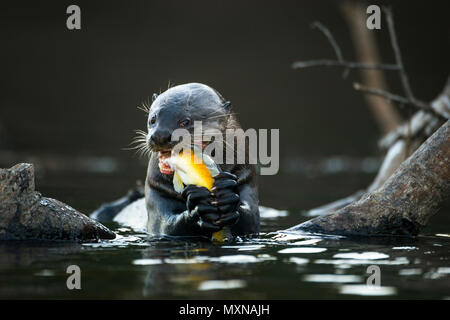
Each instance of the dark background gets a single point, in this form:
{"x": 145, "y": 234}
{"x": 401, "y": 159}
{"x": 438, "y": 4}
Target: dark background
{"x": 74, "y": 93}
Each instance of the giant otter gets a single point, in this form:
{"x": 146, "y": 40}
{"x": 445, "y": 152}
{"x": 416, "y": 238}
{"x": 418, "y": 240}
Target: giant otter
{"x": 196, "y": 211}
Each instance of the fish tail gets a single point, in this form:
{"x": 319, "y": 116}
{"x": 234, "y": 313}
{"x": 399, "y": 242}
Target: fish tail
{"x": 222, "y": 236}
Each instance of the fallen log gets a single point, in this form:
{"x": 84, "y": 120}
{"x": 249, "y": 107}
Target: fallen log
{"x": 400, "y": 144}
{"x": 403, "y": 204}
{"x": 26, "y": 215}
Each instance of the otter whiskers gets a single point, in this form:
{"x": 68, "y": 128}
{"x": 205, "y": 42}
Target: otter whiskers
{"x": 145, "y": 106}
{"x": 140, "y": 144}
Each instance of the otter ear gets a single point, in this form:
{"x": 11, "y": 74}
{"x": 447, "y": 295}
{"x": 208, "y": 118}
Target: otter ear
{"x": 154, "y": 96}
{"x": 227, "y": 106}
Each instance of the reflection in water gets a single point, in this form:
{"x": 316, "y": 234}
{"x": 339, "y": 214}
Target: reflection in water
{"x": 302, "y": 250}
{"x": 269, "y": 213}
{"x": 275, "y": 265}
{"x": 201, "y": 259}
{"x": 305, "y": 242}
{"x": 396, "y": 261}
{"x": 221, "y": 284}
{"x": 299, "y": 261}
{"x": 245, "y": 248}
{"x": 45, "y": 273}
{"x": 147, "y": 262}
{"x": 236, "y": 259}
{"x": 410, "y": 272}
{"x": 361, "y": 256}
{"x": 365, "y": 290}
{"x": 443, "y": 270}
{"x": 332, "y": 278}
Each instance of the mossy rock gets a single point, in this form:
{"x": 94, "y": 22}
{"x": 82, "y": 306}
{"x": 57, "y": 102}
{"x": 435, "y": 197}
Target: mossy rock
{"x": 26, "y": 215}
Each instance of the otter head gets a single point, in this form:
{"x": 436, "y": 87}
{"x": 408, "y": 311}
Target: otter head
{"x": 180, "y": 107}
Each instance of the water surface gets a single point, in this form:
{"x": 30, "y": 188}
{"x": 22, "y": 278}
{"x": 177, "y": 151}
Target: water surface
{"x": 273, "y": 266}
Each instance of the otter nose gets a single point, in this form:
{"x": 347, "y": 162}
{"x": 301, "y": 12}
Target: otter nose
{"x": 161, "y": 138}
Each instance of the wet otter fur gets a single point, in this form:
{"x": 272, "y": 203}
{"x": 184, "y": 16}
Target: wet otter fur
{"x": 196, "y": 212}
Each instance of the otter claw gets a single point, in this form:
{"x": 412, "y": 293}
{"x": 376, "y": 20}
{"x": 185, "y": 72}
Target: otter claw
{"x": 195, "y": 196}
{"x": 230, "y": 199}
{"x": 223, "y": 184}
{"x": 229, "y": 219}
{"x": 208, "y": 226}
{"x": 225, "y": 175}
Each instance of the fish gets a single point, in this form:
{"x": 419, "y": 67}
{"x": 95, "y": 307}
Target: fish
{"x": 194, "y": 167}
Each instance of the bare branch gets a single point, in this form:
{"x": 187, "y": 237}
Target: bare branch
{"x": 398, "y": 56}
{"x": 416, "y": 104}
{"x": 346, "y": 64}
{"x": 340, "y": 62}
{"x": 330, "y": 38}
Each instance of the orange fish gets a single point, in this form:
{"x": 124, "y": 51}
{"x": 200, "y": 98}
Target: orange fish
{"x": 197, "y": 169}
{"x": 191, "y": 169}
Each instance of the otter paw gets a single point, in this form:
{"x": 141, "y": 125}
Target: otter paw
{"x": 224, "y": 180}
{"x": 226, "y": 197}
{"x": 207, "y": 216}
{"x": 200, "y": 209}
{"x": 194, "y": 196}
{"x": 209, "y": 227}
{"x": 228, "y": 219}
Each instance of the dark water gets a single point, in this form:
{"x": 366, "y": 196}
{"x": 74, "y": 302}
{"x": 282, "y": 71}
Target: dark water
{"x": 273, "y": 266}
{"x": 293, "y": 268}
{"x": 68, "y": 105}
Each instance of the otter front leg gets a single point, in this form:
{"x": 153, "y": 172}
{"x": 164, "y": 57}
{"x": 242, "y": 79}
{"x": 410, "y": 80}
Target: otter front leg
{"x": 248, "y": 211}
{"x": 238, "y": 204}
{"x": 227, "y": 198}
{"x": 192, "y": 217}
{"x": 199, "y": 205}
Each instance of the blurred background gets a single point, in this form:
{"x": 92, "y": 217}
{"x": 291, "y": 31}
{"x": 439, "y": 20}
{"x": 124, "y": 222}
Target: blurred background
{"x": 69, "y": 99}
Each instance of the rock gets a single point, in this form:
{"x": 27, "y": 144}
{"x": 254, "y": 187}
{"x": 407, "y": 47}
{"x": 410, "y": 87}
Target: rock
{"x": 26, "y": 215}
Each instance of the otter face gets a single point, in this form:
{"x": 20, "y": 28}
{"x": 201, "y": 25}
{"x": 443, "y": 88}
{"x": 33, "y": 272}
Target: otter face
{"x": 162, "y": 122}
{"x": 181, "y": 107}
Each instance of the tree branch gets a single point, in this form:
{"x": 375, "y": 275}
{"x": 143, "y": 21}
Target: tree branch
{"x": 340, "y": 62}
{"x": 398, "y": 56}
{"x": 416, "y": 104}
{"x": 408, "y": 100}
{"x": 343, "y": 63}
{"x": 330, "y": 38}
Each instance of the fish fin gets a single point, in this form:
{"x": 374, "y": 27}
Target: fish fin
{"x": 177, "y": 183}
{"x": 211, "y": 165}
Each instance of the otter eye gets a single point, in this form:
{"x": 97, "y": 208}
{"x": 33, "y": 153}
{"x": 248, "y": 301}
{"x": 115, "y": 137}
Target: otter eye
{"x": 185, "y": 122}
{"x": 153, "y": 120}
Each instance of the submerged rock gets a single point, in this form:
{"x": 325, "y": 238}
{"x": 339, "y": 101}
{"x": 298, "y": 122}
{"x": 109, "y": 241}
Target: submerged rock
{"x": 26, "y": 215}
